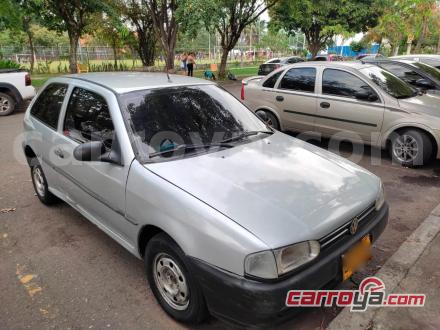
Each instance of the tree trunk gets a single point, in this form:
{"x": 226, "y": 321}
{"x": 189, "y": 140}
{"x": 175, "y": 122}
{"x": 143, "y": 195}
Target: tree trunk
{"x": 169, "y": 59}
{"x": 438, "y": 45}
{"x": 73, "y": 40}
{"x": 115, "y": 54}
{"x": 224, "y": 60}
{"x": 32, "y": 48}
{"x": 408, "y": 48}
{"x": 146, "y": 47}
{"x": 396, "y": 50}
{"x": 409, "y": 41}
{"x": 314, "y": 48}
{"x": 422, "y": 35}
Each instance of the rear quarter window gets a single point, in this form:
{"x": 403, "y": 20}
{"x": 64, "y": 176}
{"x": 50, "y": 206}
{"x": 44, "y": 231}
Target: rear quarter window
{"x": 271, "y": 81}
{"x": 48, "y": 105}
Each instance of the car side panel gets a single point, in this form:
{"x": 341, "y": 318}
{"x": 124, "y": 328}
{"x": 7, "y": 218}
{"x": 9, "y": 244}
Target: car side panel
{"x": 96, "y": 187}
{"x": 201, "y": 231}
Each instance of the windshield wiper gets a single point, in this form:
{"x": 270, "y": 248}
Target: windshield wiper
{"x": 187, "y": 147}
{"x": 245, "y": 135}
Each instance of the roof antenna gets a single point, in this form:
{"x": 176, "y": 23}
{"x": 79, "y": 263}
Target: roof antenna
{"x": 168, "y": 74}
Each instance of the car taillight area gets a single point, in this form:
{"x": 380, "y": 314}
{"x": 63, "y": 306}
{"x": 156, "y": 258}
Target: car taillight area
{"x": 242, "y": 92}
{"x": 27, "y": 79}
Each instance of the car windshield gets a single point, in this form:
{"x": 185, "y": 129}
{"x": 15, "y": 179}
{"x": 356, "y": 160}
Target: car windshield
{"x": 430, "y": 70}
{"x": 188, "y": 119}
{"x": 391, "y": 84}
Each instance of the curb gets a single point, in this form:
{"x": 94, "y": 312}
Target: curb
{"x": 394, "y": 270}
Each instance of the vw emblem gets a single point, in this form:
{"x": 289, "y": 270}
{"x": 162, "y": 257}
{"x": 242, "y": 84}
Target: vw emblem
{"x": 354, "y": 226}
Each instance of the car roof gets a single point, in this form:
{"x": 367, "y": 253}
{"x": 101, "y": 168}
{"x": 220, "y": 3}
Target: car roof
{"x": 389, "y": 60}
{"x": 434, "y": 56}
{"x": 124, "y": 82}
{"x": 330, "y": 64}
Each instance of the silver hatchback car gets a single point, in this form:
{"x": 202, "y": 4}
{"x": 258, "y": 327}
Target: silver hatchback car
{"x": 227, "y": 214}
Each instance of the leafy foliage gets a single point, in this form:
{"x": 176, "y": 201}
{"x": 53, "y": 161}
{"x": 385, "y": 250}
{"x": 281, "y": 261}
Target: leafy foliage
{"x": 320, "y": 20}
{"x": 8, "y": 64}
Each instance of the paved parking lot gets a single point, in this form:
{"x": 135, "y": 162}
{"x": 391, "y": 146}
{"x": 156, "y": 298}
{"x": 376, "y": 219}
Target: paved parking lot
{"x": 57, "y": 270}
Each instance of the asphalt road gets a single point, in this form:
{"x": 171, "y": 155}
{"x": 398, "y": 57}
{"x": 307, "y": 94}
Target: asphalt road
{"x": 57, "y": 270}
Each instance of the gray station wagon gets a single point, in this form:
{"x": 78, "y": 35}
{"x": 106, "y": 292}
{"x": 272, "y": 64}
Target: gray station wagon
{"x": 227, "y": 213}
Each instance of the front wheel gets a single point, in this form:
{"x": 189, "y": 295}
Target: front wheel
{"x": 174, "y": 287}
{"x": 7, "y": 104}
{"x": 411, "y": 148}
{"x": 40, "y": 185}
{"x": 270, "y": 119}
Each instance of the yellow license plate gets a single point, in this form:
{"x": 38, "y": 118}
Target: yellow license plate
{"x": 356, "y": 257}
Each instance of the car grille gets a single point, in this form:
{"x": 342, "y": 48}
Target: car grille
{"x": 345, "y": 229}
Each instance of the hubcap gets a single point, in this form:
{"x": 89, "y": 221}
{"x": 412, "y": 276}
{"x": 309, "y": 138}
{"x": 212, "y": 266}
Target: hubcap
{"x": 269, "y": 122}
{"x": 39, "y": 181}
{"x": 4, "y": 104}
{"x": 170, "y": 282}
{"x": 405, "y": 148}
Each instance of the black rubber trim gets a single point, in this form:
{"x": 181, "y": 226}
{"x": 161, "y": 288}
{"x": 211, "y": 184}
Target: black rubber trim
{"x": 249, "y": 302}
{"x": 331, "y": 118}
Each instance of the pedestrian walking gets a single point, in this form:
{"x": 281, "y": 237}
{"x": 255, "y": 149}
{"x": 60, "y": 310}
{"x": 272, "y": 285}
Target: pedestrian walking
{"x": 183, "y": 60}
{"x": 190, "y": 63}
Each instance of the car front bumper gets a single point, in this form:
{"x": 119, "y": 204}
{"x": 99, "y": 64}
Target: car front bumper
{"x": 246, "y": 301}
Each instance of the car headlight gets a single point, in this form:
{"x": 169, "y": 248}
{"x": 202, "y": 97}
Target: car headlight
{"x": 261, "y": 264}
{"x": 380, "y": 199}
{"x": 271, "y": 264}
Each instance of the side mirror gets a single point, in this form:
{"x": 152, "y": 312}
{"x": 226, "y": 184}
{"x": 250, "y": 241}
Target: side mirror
{"x": 425, "y": 84}
{"x": 95, "y": 151}
{"x": 366, "y": 96}
{"x": 262, "y": 115}
{"x": 89, "y": 151}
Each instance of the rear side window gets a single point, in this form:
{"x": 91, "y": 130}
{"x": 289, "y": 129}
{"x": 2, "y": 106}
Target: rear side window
{"x": 48, "y": 105}
{"x": 88, "y": 118}
{"x": 402, "y": 72}
{"x": 299, "y": 79}
{"x": 341, "y": 83}
{"x": 272, "y": 80}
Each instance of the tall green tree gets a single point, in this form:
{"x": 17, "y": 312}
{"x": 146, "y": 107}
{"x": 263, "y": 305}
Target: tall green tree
{"x": 320, "y": 20}
{"x": 164, "y": 16}
{"x": 20, "y": 15}
{"x": 112, "y": 30}
{"x": 73, "y": 16}
{"x": 229, "y": 18}
{"x": 138, "y": 15}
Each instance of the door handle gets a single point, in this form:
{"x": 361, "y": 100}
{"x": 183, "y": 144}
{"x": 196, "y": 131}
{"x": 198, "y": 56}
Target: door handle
{"x": 279, "y": 98}
{"x": 325, "y": 105}
{"x": 59, "y": 153}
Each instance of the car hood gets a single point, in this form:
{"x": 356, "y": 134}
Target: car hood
{"x": 428, "y": 103}
{"x": 281, "y": 189}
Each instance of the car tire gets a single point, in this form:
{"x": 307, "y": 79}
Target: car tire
{"x": 272, "y": 120}
{"x": 7, "y": 104}
{"x": 173, "y": 285}
{"x": 411, "y": 148}
{"x": 40, "y": 186}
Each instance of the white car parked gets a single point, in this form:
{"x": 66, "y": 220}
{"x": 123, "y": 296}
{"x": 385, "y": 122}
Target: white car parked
{"x": 15, "y": 87}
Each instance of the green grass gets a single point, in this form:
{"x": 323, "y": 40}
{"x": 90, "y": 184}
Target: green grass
{"x": 240, "y": 72}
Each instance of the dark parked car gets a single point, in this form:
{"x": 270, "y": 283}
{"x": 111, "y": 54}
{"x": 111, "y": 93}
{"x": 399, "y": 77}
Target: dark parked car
{"x": 276, "y": 63}
{"x": 420, "y": 75}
